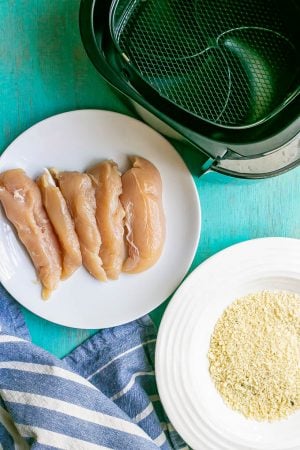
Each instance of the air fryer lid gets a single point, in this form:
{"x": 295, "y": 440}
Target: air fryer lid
{"x": 233, "y": 64}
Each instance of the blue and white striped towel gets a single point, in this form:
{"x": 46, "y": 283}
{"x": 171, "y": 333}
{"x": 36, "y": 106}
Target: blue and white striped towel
{"x": 103, "y": 395}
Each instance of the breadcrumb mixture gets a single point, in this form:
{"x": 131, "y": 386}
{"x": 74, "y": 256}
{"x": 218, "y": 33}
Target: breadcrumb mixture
{"x": 254, "y": 355}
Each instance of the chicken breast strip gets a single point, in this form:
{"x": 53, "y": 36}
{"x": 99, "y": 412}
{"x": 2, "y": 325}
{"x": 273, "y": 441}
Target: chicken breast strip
{"x": 144, "y": 215}
{"x": 22, "y": 202}
{"x": 109, "y": 215}
{"x": 62, "y": 223}
{"x": 79, "y": 194}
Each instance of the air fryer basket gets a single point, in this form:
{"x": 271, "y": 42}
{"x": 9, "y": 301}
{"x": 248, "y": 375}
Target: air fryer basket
{"x": 233, "y": 63}
{"x": 218, "y": 142}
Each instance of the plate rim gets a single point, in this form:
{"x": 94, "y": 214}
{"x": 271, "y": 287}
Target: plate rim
{"x": 197, "y": 204}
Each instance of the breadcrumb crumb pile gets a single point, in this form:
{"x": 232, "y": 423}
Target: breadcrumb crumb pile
{"x": 254, "y": 355}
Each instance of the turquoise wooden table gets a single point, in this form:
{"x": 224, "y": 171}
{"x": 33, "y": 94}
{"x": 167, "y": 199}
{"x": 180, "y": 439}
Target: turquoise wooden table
{"x": 44, "y": 71}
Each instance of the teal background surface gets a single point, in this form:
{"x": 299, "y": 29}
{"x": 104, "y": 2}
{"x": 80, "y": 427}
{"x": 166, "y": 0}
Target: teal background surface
{"x": 44, "y": 70}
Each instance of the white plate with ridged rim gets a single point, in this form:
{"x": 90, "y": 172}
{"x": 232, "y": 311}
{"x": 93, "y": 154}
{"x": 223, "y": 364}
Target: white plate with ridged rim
{"x": 74, "y": 141}
{"x": 187, "y": 392}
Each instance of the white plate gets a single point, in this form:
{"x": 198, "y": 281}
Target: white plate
{"x": 74, "y": 141}
{"x": 188, "y": 394}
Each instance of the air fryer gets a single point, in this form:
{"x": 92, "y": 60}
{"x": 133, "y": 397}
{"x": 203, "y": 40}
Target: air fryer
{"x": 224, "y": 75}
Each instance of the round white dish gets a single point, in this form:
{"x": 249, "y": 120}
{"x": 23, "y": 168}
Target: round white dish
{"x": 187, "y": 392}
{"x": 74, "y": 141}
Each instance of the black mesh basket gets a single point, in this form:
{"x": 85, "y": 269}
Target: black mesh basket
{"x": 224, "y": 75}
{"x": 232, "y": 63}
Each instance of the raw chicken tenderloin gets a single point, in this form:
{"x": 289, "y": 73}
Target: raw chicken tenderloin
{"x": 109, "y": 214}
{"x": 79, "y": 194}
{"x": 144, "y": 215}
{"x": 23, "y": 206}
{"x": 62, "y": 222}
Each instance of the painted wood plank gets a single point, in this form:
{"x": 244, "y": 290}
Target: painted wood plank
{"x": 44, "y": 70}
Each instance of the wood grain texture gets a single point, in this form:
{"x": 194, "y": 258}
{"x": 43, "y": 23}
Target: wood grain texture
{"x": 44, "y": 71}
